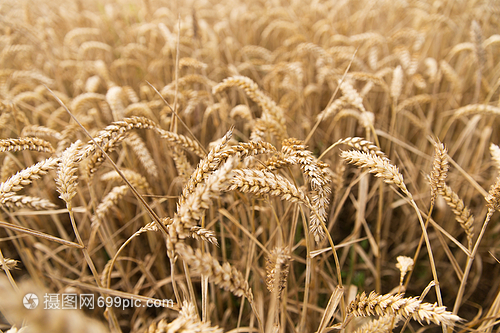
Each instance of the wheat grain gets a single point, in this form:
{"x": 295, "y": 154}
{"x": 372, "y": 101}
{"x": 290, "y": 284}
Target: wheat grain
{"x": 397, "y": 83}
{"x": 9, "y": 264}
{"x": 351, "y": 95}
{"x": 472, "y": 109}
{"x": 8, "y": 168}
{"x": 263, "y": 182}
{"x": 271, "y": 112}
{"x": 380, "y": 325}
{"x": 194, "y": 203}
{"x": 207, "y": 165}
{"x": 182, "y": 141}
{"x": 412, "y": 101}
{"x": 191, "y": 63}
{"x": 111, "y": 136}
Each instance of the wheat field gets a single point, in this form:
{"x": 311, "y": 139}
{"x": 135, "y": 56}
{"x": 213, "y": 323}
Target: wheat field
{"x": 250, "y": 166}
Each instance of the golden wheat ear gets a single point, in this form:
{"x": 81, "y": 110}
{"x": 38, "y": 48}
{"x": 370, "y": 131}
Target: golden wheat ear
{"x": 151, "y": 212}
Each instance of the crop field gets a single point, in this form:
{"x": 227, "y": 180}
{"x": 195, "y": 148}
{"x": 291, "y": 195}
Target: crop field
{"x": 249, "y": 166}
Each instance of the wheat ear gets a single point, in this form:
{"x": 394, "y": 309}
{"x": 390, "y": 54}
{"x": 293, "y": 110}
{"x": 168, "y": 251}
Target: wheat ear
{"x": 439, "y": 170}
{"x": 187, "y": 321}
{"x": 396, "y": 305}
{"x": 318, "y": 176}
{"x": 66, "y": 179}
{"x": 111, "y": 136}
{"x": 377, "y": 165}
{"x": 26, "y": 144}
{"x": 271, "y": 111}
{"x": 27, "y": 175}
{"x": 133, "y": 177}
{"x": 462, "y": 213}
{"x": 363, "y": 145}
{"x": 225, "y": 276}
{"x": 141, "y": 151}
{"x": 277, "y": 268}
{"x": 40, "y": 131}
{"x": 495, "y": 155}
{"x": 22, "y": 201}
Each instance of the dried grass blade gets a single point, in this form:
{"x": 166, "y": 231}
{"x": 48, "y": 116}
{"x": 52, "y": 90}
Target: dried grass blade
{"x": 39, "y": 234}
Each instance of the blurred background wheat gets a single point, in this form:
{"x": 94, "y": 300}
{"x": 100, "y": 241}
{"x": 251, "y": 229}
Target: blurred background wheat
{"x": 253, "y": 136}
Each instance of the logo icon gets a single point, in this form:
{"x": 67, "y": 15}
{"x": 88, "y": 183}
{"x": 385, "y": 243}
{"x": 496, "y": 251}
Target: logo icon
{"x": 30, "y": 301}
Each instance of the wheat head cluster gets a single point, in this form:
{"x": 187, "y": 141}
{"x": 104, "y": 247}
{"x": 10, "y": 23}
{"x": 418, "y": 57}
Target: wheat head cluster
{"x": 267, "y": 166}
